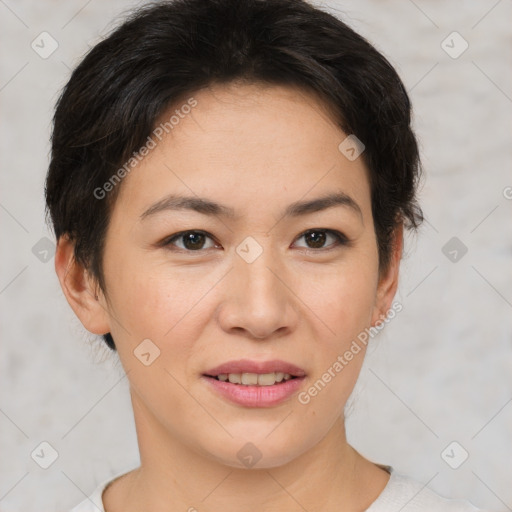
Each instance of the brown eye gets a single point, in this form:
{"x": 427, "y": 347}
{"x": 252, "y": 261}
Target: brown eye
{"x": 191, "y": 240}
{"x": 316, "y": 238}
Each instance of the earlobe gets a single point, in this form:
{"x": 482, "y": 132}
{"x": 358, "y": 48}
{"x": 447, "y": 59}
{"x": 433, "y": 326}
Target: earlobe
{"x": 388, "y": 283}
{"x": 80, "y": 289}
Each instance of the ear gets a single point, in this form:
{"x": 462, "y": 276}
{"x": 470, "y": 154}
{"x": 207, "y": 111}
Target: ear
{"x": 388, "y": 282}
{"x": 81, "y": 290}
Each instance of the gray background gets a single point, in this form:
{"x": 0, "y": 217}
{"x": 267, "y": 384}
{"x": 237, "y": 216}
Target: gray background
{"x": 439, "y": 372}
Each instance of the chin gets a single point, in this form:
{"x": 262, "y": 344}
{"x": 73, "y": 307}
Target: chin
{"x": 262, "y": 452}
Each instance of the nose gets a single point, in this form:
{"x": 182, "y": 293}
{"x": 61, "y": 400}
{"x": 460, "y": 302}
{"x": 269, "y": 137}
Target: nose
{"x": 258, "y": 298}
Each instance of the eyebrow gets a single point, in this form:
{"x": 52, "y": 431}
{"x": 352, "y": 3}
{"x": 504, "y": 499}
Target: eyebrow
{"x": 206, "y": 206}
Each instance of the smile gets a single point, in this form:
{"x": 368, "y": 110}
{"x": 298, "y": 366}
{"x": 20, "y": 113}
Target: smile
{"x": 254, "y": 379}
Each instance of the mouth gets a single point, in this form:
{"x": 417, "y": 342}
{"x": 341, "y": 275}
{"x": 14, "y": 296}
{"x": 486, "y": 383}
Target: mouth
{"x": 253, "y": 379}
{"x": 246, "y": 372}
{"x": 255, "y": 383}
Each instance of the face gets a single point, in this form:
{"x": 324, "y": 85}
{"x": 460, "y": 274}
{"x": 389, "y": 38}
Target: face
{"x": 254, "y": 279}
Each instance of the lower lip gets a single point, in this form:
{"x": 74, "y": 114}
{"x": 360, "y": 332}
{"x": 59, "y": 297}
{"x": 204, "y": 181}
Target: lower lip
{"x": 256, "y": 396}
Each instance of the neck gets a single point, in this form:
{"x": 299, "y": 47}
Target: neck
{"x": 173, "y": 476}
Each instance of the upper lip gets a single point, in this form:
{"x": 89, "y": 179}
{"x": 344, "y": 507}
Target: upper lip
{"x": 259, "y": 367}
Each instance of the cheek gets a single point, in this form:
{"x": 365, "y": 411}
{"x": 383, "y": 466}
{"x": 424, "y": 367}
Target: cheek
{"x": 343, "y": 300}
{"x": 157, "y": 301}
{"x": 167, "y": 305}
{"x": 346, "y": 308}
{"x": 342, "y": 296}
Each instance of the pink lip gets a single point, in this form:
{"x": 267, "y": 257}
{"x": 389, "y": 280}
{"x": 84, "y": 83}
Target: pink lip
{"x": 255, "y": 396}
{"x": 259, "y": 367}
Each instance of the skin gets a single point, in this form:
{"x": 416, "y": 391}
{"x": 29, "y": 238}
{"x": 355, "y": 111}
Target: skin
{"x": 256, "y": 149}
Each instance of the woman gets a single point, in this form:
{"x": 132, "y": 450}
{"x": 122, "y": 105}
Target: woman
{"x": 229, "y": 185}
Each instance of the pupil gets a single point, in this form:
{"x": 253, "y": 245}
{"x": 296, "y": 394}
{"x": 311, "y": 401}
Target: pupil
{"x": 319, "y": 242}
{"x": 196, "y": 239}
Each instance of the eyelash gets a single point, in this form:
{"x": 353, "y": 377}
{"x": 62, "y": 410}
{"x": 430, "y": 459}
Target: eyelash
{"x": 341, "y": 240}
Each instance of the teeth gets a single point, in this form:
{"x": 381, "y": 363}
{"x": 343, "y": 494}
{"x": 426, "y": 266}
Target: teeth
{"x": 250, "y": 379}
{"x": 267, "y": 379}
{"x": 254, "y": 379}
{"x": 235, "y": 378}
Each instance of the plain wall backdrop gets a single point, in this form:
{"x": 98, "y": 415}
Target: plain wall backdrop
{"x": 439, "y": 373}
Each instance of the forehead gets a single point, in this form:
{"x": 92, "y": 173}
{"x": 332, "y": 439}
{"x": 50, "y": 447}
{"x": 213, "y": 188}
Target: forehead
{"x": 245, "y": 143}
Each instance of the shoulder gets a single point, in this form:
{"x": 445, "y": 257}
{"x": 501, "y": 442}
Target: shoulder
{"x": 94, "y": 502}
{"x": 408, "y": 495}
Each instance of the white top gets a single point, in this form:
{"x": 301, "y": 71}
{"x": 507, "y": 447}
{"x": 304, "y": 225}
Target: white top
{"x": 401, "y": 493}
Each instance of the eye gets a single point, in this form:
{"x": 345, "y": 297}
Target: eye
{"x": 192, "y": 240}
{"x": 196, "y": 240}
{"x": 317, "y": 238}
